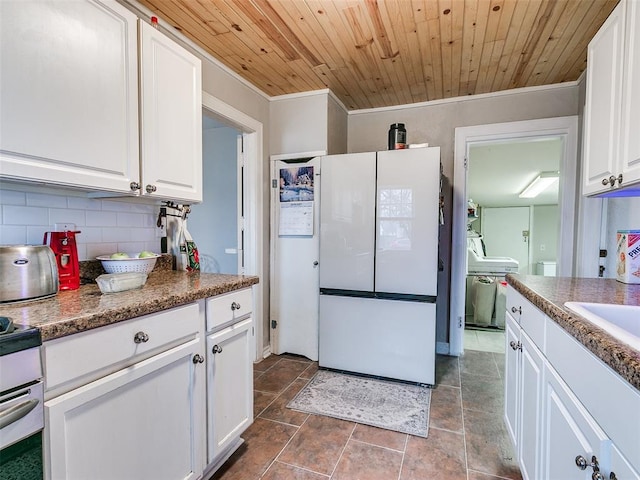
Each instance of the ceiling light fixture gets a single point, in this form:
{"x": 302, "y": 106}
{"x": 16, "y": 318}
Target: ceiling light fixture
{"x": 539, "y": 185}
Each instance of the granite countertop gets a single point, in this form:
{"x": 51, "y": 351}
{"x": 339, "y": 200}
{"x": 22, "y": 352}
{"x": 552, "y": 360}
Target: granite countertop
{"x": 550, "y": 293}
{"x": 74, "y": 311}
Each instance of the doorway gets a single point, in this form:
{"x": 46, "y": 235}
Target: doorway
{"x": 249, "y": 204}
{"x": 216, "y": 223}
{"x": 564, "y": 128}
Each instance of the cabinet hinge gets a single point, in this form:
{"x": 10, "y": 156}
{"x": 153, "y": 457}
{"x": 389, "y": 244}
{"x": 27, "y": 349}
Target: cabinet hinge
{"x": 274, "y": 324}
{"x": 459, "y": 322}
{"x": 274, "y": 183}
{"x": 466, "y": 163}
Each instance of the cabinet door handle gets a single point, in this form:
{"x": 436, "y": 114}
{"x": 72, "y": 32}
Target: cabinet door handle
{"x": 611, "y": 181}
{"x": 235, "y": 306}
{"x": 150, "y": 188}
{"x": 516, "y": 310}
{"x": 581, "y": 462}
{"x": 197, "y": 358}
{"x": 134, "y": 186}
{"x": 620, "y": 177}
{"x": 612, "y": 476}
{"x": 216, "y": 349}
{"x": 515, "y": 345}
{"x": 141, "y": 337}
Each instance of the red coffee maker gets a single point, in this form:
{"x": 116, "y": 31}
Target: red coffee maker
{"x": 62, "y": 240}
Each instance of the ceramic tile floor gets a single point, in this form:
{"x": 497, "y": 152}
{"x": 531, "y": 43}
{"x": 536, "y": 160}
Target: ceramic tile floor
{"x": 467, "y": 439}
{"x": 484, "y": 340}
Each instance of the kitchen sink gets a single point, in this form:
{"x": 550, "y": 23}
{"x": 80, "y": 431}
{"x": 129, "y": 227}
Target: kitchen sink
{"x": 620, "y": 321}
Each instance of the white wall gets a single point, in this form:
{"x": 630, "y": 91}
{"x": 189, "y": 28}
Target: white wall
{"x": 337, "y": 128}
{"x": 299, "y": 124}
{"x": 435, "y": 123}
{"x": 213, "y": 223}
{"x": 107, "y": 226}
{"x": 544, "y": 234}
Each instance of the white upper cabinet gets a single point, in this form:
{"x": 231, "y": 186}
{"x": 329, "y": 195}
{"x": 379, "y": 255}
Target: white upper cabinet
{"x": 75, "y": 112}
{"x": 171, "y": 118}
{"x": 602, "y": 111}
{"x": 631, "y": 96}
{"x": 611, "y": 145}
{"x": 69, "y": 101}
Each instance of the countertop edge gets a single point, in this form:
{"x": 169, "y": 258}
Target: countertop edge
{"x": 86, "y": 308}
{"x": 617, "y": 355}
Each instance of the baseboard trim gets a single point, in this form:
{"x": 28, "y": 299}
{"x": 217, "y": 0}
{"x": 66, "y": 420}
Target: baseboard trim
{"x": 442, "y": 348}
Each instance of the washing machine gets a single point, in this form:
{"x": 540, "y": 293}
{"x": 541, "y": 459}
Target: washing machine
{"x": 479, "y": 266}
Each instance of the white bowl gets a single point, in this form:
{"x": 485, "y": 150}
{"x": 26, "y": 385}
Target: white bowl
{"x": 131, "y": 264}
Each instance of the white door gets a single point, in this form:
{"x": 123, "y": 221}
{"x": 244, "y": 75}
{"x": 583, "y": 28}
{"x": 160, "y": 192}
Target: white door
{"x": 512, "y": 380}
{"x": 139, "y": 423}
{"x": 171, "y": 123}
{"x": 386, "y": 338}
{"x": 69, "y": 109}
{"x": 530, "y": 430}
{"x": 295, "y": 289}
{"x": 569, "y": 431}
{"x": 347, "y": 224}
{"x": 408, "y": 194}
{"x": 631, "y": 96}
{"x": 230, "y": 390}
{"x": 505, "y": 232}
{"x": 602, "y": 112}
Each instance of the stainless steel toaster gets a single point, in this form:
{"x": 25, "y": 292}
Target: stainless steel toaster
{"x": 27, "y": 272}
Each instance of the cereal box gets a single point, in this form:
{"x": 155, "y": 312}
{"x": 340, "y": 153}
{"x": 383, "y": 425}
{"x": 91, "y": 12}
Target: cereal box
{"x": 628, "y": 256}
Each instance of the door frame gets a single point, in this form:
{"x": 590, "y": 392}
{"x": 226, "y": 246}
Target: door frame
{"x": 566, "y": 127}
{"x": 253, "y": 188}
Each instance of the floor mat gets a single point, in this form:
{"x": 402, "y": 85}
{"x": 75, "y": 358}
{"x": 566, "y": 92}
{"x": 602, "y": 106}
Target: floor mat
{"x": 380, "y": 403}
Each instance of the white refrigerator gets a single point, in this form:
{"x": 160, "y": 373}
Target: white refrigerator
{"x": 379, "y": 225}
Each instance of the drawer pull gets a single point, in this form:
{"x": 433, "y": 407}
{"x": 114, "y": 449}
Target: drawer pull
{"x": 516, "y": 310}
{"x": 235, "y": 306}
{"x": 216, "y": 349}
{"x": 197, "y": 358}
{"x": 141, "y": 337}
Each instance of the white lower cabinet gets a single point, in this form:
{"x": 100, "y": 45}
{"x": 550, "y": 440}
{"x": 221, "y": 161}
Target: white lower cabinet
{"x": 569, "y": 416}
{"x": 571, "y": 436}
{"x": 523, "y": 397}
{"x": 230, "y": 371}
{"x": 620, "y": 467}
{"x": 229, "y": 374}
{"x": 142, "y": 399}
{"x": 143, "y": 419}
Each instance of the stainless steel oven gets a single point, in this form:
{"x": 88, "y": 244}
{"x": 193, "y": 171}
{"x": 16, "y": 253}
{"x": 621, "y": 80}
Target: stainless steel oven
{"x": 21, "y": 403}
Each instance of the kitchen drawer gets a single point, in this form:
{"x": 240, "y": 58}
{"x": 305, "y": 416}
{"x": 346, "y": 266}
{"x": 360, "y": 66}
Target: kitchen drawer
{"x": 78, "y": 359}
{"x": 530, "y": 318}
{"x": 228, "y": 308}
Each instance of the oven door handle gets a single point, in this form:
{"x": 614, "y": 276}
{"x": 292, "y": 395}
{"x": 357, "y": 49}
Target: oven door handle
{"x": 15, "y": 413}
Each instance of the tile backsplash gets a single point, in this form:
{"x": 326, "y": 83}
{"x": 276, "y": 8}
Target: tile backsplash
{"x": 107, "y": 226}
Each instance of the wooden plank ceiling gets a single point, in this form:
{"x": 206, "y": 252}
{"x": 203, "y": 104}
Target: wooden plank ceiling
{"x": 376, "y": 53}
